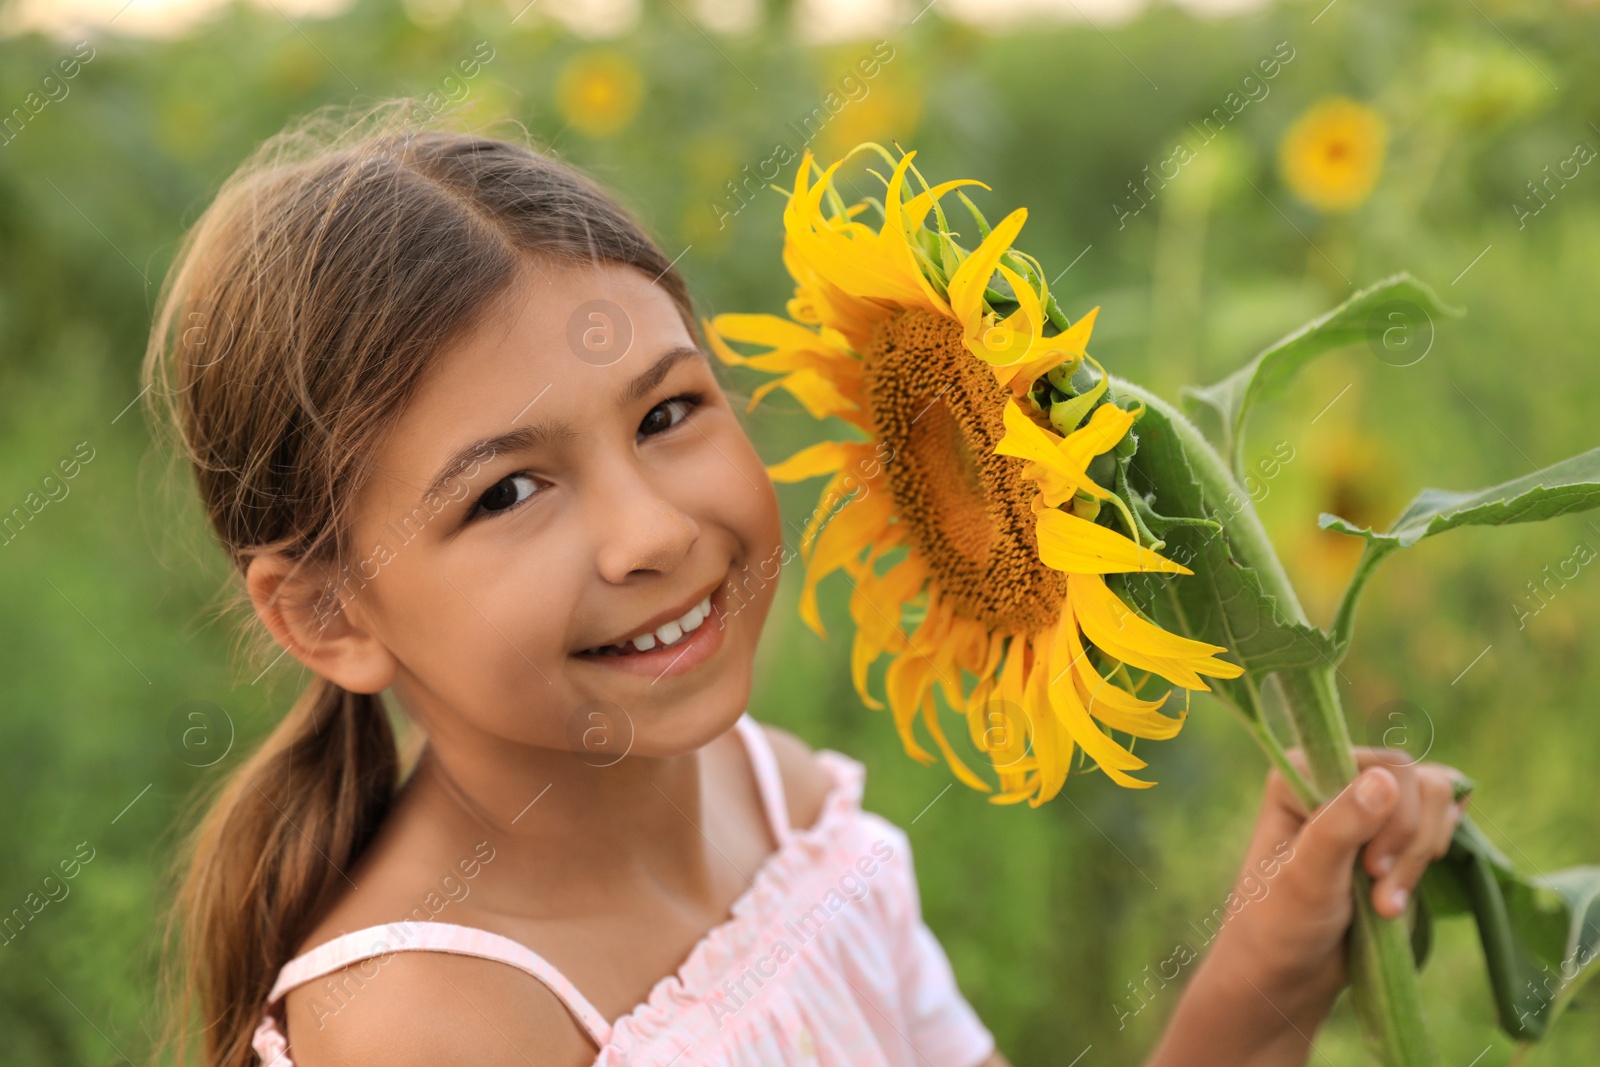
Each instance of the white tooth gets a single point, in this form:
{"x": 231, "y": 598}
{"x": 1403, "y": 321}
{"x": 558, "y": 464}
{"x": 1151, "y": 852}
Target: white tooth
{"x": 692, "y": 620}
{"x": 644, "y": 642}
{"x": 669, "y": 632}
{"x": 705, "y": 607}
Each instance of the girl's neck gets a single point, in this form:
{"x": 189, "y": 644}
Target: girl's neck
{"x": 563, "y": 827}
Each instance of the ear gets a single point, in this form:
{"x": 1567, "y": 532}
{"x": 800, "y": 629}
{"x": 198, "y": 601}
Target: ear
{"x": 306, "y": 615}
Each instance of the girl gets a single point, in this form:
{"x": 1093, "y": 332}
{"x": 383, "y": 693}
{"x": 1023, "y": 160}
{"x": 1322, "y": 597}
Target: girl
{"x": 450, "y": 418}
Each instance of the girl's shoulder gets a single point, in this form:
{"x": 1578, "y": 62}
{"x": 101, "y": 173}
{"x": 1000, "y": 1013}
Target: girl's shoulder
{"x": 422, "y": 1009}
{"x": 805, "y": 781}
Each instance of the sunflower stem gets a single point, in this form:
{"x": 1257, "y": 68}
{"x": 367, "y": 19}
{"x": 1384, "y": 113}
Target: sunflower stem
{"x": 1344, "y": 621}
{"x": 1383, "y": 977}
{"x": 1303, "y": 790}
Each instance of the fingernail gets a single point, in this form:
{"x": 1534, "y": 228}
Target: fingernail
{"x": 1372, "y": 790}
{"x": 1384, "y": 864}
{"x": 1398, "y": 898}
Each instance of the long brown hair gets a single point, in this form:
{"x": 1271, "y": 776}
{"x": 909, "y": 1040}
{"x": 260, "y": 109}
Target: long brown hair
{"x": 300, "y": 314}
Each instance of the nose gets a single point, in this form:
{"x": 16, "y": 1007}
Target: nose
{"x": 640, "y": 530}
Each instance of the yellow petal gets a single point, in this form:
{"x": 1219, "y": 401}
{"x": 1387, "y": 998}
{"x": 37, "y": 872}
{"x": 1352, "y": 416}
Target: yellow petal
{"x": 915, "y": 210}
{"x": 1074, "y": 340}
{"x": 978, "y": 724}
{"x": 1027, "y": 440}
{"x": 876, "y": 607}
{"x": 906, "y": 681}
{"x": 1115, "y": 706}
{"x": 1125, "y": 635}
{"x": 972, "y": 277}
{"x": 1108, "y": 425}
{"x": 819, "y": 396}
{"x": 1016, "y": 338}
{"x": 893, "y": 242}
{"x": 850, "y": 532}
{"x": 969, "y": 643}
{"x": 832, "y": 493}
{"x": 930, "y": 718}
{"x": 1029, "y": 309}
{"x": 850, "y": 256}
{"x": 1015, "y": 796}
{"x": 1051, "y": 744}
{"x": 1111, "y": 757}
{"x": 863, "y": 654}
{"x": 768, "y": 330}
{"x": 1048, "y": 351}
{"x": 823, "y": 458}
{"x": 880, "y": 599}
{"x": 787, "y": 360}
{"x": 1078, "y": 546}
{"x": 1011, "y": 726}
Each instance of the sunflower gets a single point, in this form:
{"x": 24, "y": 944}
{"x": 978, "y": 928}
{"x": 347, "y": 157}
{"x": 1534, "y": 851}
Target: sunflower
{"x": 975, "y": 521}
{"x": 598, "y": 92}
{"x": 1331, "y": 156}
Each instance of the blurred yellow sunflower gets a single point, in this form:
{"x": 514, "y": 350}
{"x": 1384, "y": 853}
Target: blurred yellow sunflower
{"x": 974, "y": 485}
{"x": 1331, "y": 156}
{"x": 598, "y": 92}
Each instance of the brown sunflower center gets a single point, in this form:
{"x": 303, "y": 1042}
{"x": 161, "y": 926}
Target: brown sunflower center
{"x": 968, "y": 511}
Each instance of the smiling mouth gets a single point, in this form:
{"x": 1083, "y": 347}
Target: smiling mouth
{"x": 669, "y": 634}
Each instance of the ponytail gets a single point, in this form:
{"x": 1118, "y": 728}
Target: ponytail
{"x": 274, "y": 849}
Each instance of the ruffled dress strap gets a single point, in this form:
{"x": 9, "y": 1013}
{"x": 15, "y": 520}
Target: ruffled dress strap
{"x": 378, "y": 942}
{"x": 769, "y": 780}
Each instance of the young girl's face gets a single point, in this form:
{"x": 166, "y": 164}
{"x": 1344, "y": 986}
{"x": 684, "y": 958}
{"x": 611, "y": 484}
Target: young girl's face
{"x": 589, "y": 484}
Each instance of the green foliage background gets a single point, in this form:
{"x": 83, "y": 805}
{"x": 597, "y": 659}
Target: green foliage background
{"x": 1048, "y": 915}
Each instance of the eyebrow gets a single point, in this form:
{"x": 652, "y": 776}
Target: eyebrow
{"x": 550, "y": 431}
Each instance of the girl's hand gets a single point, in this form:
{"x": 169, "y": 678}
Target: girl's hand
{"x": 1278, "y": 962}
{"x": 1398, "y": 814}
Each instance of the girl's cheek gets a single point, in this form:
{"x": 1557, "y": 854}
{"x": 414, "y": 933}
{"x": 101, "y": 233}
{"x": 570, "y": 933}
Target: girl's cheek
{"x": 760, "y": 506}
{"x": 746, "y": 503}
{"x": 747, "y": 488}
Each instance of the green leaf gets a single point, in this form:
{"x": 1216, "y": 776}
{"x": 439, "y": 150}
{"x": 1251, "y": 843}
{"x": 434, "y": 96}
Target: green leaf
{"x": 1540, "y": 934}
{"x": 1198, "y": 515}
{"x": 1569, "y": 486}
{"x": 1420, "y": 916}
{"x": 1381, "y": 314}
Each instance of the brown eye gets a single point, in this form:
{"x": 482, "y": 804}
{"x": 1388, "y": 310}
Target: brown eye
{"x": 668, "y": 414}
{"x": 506, "y": 494}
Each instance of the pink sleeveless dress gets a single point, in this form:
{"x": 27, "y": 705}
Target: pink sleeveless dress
{"x": 825, "y": 959}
